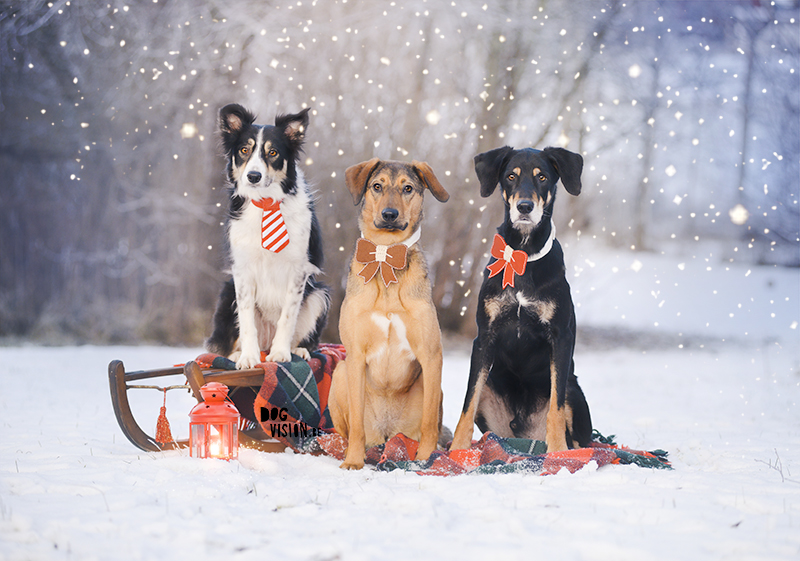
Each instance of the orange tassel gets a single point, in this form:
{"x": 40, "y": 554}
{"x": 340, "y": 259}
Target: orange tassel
{"x": 163, "y": 434}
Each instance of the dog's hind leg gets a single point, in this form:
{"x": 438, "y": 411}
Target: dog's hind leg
{"x": 226, "y": 330}
{"x": 311, "y": 320}
{"x": 581, "y": 419}
{"x": 479, "y": 367}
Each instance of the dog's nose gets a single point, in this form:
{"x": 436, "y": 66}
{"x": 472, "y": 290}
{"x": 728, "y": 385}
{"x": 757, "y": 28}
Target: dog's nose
{"x": 254, "y": 176}
{"x": 390, "y": 214}
{"x": 525, "y": 206}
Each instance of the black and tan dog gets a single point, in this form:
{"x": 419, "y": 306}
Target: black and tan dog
{"x": 521, "y": 380}
{"x": 390, "y": 382}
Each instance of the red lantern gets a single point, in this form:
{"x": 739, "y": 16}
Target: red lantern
{"x": 214, "y": 425}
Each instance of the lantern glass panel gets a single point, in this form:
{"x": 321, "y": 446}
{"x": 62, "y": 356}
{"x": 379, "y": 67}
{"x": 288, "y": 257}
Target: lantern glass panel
{"x": 197, "y": 440}
{"x": 214, "y": 440}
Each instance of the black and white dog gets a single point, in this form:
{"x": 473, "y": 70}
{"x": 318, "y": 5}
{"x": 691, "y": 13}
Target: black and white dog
{"x": 273, "y": 302}
{"x": 521, "y": 380}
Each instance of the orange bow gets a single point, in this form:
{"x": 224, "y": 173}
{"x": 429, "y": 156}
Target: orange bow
{"x": 385, "y": 258}
{"x": 509, "y": 260}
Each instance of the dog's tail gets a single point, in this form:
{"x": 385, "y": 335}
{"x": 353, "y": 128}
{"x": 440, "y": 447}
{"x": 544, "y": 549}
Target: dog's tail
{"x": 445, "y": 437}
{"x": 317, "y": 297}
{"x": 226, "y": 327}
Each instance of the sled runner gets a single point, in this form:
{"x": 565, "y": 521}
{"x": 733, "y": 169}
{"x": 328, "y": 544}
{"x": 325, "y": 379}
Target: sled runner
{"x": 121, "y": 381}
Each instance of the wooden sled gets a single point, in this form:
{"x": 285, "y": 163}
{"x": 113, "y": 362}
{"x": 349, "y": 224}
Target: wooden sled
{"x": 120, "y": 382}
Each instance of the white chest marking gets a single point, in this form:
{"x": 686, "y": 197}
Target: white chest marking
{"x": 542, "y": 308}
{"x": 381, "y": 322}
{"x": 391, "y": 335}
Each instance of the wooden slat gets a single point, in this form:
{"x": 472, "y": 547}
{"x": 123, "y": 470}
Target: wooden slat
{"x": 236, "y": 377}
{"x": 145, "y": 374}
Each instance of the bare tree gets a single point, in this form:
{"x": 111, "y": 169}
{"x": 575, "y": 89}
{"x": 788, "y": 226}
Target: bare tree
{"x": 112, "y": 202}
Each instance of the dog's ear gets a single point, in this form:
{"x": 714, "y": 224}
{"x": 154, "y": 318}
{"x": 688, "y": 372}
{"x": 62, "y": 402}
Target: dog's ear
{"x": 233, "y": 118}
{"x": 431, "y": 182}
{"x": 488, "y": 167}
{"x": 357, "y": 177}
{"x": 294, "y": 126}
{"x": 568, "y": 165}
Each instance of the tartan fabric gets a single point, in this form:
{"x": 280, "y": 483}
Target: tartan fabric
{"x": 300, "y": 390}
{"x": 296, "y": 391}
{"x": 491, "y": 454}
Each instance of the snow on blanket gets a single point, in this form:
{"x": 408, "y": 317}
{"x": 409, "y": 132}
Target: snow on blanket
{"x": 298, "y": 392}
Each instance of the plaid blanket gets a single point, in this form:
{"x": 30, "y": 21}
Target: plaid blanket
{"x": 491, "y": 454}
{"x": 292, "y": 407}
{"x": 292, "y": 404}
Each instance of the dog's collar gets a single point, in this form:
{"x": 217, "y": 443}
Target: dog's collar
{"x": 548, "y": 245}
{"x": 408, "y": 242}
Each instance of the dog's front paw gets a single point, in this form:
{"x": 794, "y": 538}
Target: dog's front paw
{"x": 462, "y": 440}
{"x": 352, "y": 465}
{"x": 248, "y": 360}
{"x": 302, "y": 352}
{"x": 423, "y": 453}
{"x": 279, "y": 355}
{"x": 556, "y": 444}
{"x": 353, "y": 459}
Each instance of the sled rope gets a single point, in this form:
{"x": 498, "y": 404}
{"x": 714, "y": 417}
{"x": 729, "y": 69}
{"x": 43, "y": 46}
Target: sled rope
{"x": 159, "y": 388}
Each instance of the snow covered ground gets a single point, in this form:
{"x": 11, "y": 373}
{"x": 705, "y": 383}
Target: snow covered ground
{"x": 721, "y": 398}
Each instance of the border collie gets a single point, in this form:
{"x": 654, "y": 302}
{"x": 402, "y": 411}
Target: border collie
{"x": 273, "y": 302}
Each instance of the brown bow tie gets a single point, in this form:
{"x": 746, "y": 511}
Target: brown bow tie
{"x": 385, "y": 258}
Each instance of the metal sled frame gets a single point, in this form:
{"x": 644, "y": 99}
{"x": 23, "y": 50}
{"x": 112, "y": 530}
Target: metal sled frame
{"x": 119, "y": 382}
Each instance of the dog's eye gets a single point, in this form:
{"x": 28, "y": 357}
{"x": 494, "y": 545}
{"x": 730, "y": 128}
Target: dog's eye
{"x": 407, "y": 189}
{"x": 511, "y": 177}
{"x": 272, "y": 153}
{"x": 244, "y": 150}
{"x": 542, "y": 178}
{"x": 377, "y": 187}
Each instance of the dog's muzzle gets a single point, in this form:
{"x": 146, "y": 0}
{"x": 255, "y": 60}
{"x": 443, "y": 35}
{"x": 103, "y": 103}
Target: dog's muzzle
{"x": 526, "y": 214}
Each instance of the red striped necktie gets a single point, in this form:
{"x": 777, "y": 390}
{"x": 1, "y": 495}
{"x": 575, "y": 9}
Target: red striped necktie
{"x": 274, "y": 236}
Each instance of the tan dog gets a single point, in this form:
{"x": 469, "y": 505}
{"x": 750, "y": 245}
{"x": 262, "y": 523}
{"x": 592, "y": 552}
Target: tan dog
{"x": 391, "y": 380}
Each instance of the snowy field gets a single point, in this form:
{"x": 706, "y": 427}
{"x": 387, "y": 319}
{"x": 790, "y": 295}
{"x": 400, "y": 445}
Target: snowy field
{"x": 718, "y": 390}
